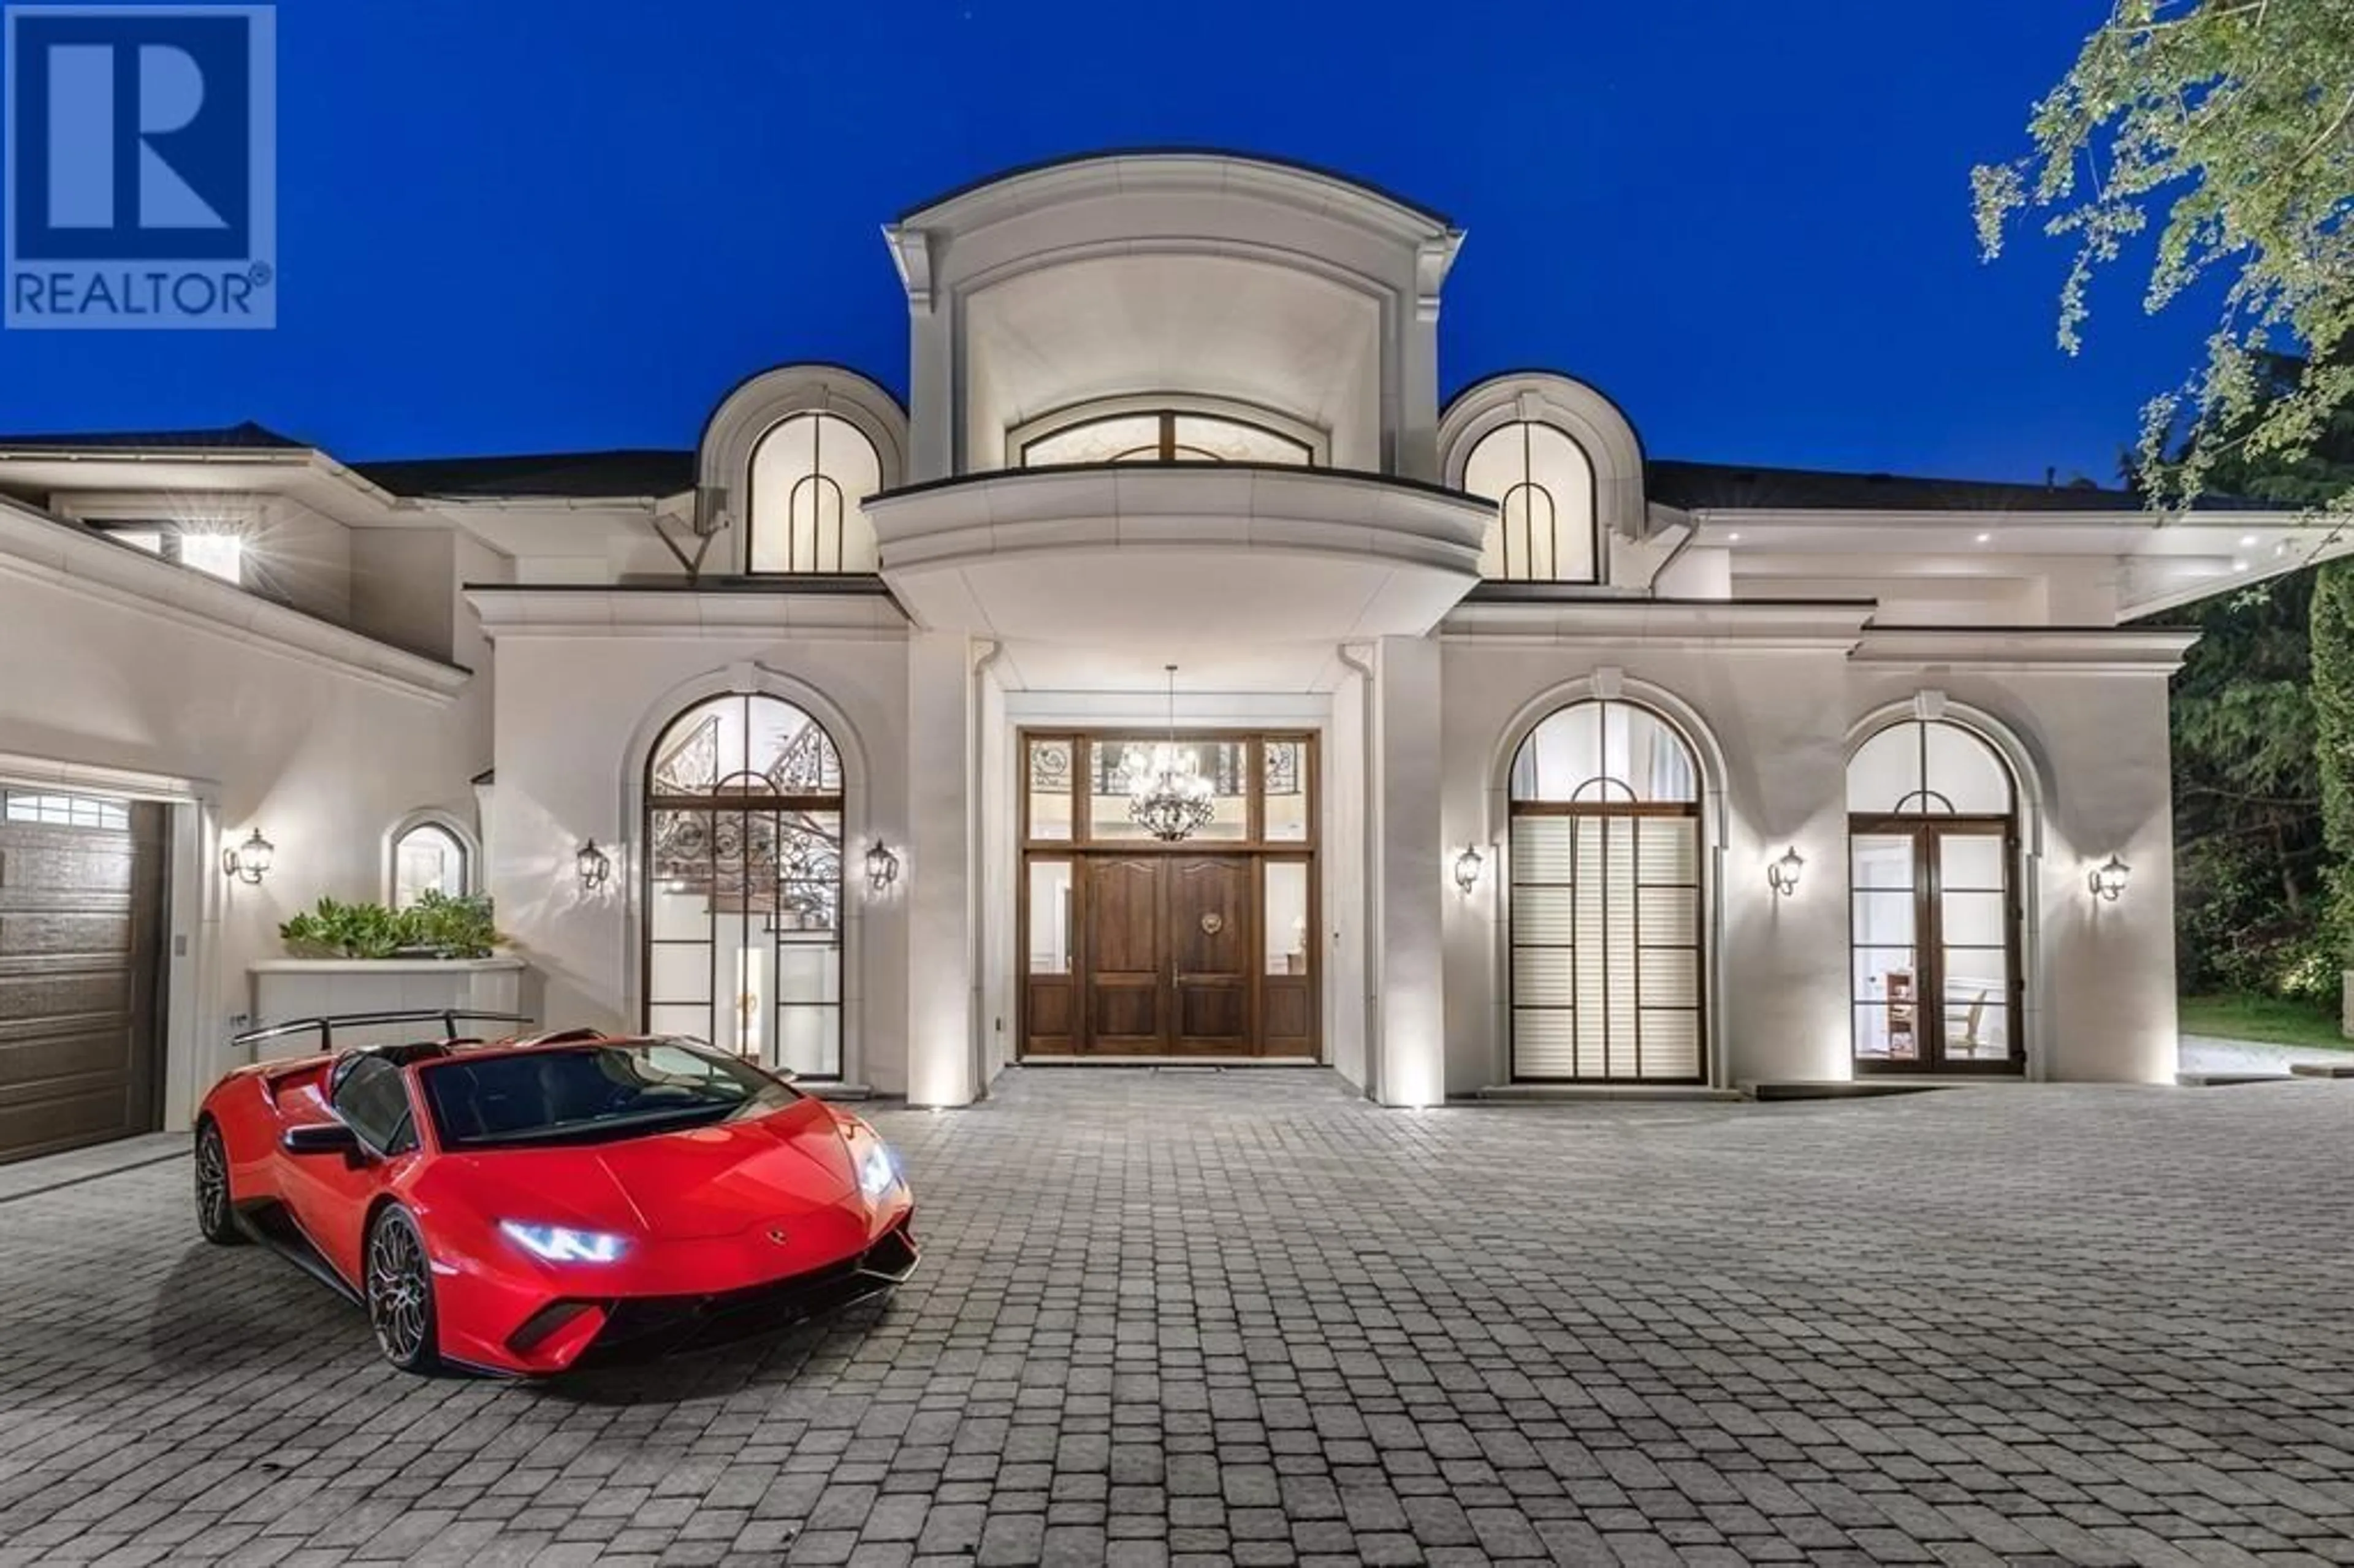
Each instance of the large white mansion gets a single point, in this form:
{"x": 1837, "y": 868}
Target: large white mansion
{"x": 1505, "y": 756}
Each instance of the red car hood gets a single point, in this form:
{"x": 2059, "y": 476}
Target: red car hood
{"x": 702, "y": 1181}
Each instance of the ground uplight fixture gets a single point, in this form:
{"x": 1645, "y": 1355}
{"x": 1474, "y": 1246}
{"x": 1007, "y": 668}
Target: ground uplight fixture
{"x": 2108, "y": 880}
{"x": 882, "y": 868}
{"x": 1782, "y": 876}
{"x": 593, "y": 866}
{"x": 251, "y": 861}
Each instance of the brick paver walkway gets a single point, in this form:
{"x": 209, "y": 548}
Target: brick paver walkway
{"x": 1247, "y": 1318}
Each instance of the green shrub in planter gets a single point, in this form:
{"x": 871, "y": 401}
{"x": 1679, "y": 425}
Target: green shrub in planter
{"x": 457, "y": 927}
{"x": 435, "y": 927}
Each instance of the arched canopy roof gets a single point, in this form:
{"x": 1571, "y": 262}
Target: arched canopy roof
{"x": 1049, "y": 174}
{"x": 760, "y": 404}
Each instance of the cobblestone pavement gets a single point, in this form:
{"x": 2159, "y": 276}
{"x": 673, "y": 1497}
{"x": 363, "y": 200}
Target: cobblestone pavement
{"x": 1249, "y": 1318}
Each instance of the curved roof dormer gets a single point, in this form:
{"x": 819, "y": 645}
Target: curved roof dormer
{"x": 785, "y": 463}
{"x": 1563, "y": 466}
{"x": 1042, "y": 295}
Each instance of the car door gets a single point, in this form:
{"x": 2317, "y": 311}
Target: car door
{"x": 330, "y": 1192}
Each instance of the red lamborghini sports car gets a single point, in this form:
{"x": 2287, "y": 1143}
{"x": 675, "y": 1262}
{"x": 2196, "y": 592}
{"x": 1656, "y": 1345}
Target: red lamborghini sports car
{"x": 523, "y": 1206}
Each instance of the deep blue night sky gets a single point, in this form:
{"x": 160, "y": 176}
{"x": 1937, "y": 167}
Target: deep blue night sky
{"x": 550, "y": 225}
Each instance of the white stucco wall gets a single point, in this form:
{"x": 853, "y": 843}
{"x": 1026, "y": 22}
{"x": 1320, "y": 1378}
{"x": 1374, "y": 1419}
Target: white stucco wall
{"x": 574, "y": 714}
{"x": 319, "y": 757}
{"x": 1777, "y": 990}
{"x": 2090, "y": 742}
{"x": 2093, "y": 749}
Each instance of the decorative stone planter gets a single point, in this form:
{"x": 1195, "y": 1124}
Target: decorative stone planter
{"x": 285, "y": 990}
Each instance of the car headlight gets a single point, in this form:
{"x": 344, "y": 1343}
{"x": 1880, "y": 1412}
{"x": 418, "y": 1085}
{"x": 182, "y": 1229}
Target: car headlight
{"x": 878, "y": 1169}
{"x": 554, "y": 1244}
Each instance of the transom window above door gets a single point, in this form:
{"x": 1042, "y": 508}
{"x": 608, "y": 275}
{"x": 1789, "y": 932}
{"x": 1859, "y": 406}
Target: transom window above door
{"x": 1078, "y": 788}
{"x": 1922, "y": 768}
{"x": 1129, "y": 432}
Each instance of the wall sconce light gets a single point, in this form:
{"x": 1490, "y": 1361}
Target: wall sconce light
{"x": 251, "y": 861}
{"x": 2108, "y": 880}
{"x": 1782, "y": 876}
{"x": 594, "y": 866}
{"x": 882, "y": 868}
{"x": 1468, "y": 866}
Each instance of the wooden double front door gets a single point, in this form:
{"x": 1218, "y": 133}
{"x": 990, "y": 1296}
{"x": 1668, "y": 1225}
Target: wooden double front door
{"x": 1164, "y": 953}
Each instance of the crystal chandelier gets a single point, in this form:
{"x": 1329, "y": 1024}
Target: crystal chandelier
{"x": 1166, "y": 796}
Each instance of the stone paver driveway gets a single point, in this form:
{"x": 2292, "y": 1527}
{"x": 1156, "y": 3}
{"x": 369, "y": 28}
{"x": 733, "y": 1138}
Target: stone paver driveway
{"x": 1247, "y": 1318}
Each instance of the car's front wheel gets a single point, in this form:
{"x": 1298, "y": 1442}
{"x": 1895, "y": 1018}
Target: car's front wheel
{"x": 400, "y": 1292}
{"x": 213, "y": 1216}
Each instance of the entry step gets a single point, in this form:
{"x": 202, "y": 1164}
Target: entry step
{"x": 1842, "y": 1088}
{"x": 2227, "y": 1080}
{"x": 2324, "y": 1069}
{"x": 1547, "y": 1094}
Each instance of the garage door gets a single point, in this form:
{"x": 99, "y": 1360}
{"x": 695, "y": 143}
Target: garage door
{"x": 81, "y": 897}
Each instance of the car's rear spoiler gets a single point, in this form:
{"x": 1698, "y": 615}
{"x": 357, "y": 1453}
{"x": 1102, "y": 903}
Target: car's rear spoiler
{"x": 325, "y": 1028}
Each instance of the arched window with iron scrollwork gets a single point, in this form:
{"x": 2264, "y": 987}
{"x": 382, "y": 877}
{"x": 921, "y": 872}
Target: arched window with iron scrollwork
{"x": 744, "y": 882}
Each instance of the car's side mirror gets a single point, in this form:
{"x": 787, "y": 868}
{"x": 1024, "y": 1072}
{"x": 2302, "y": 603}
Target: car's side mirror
{"x": 321, "y": 1138}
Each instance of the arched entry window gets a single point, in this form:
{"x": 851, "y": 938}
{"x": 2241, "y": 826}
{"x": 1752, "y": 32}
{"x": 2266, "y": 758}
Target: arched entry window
{"x": 1932, "y": 850}
{"x": 1606, "y": 900}
{"x": 810, "y": 475}
{"x": 744, "y": 884}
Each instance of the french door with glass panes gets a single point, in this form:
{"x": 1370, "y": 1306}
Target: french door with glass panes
{"x": 1935, "y": 923}
{"x": 1606, "y": 939}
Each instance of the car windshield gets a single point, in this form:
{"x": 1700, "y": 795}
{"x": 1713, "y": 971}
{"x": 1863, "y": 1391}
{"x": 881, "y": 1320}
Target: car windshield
{"x": 591, "y": 1093}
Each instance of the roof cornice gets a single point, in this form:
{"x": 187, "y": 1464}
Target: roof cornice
{"x": 38, "y": 547}
{"x": 2051, "y": 650}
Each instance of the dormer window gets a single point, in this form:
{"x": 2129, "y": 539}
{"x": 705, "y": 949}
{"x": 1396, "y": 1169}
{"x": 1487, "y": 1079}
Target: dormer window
{"x": 809, "y": 473}
{"x": 217, "y": 552}
{"x": 1543, "y": 484}
{"x": 1130, "y": 433}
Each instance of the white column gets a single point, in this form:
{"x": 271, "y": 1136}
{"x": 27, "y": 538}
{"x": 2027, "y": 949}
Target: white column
{"x": 1412, "y": 1030}
{"x": 931, "y": 390}
{"x": 2108, "y": 976}
{"x": 940, "y": 870}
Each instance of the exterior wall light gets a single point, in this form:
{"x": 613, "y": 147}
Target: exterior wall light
{"x": 882, "y": 868}
{"x": 1468, "y": 866}
{"x": 1782, "y": 876}
{"x": 2108, "y": 880}
{"x": 251, "y": 861}
{"x": 594, "y": 866}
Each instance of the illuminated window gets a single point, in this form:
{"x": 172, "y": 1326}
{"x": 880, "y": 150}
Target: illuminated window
{"x": 1542, "y": 485}
{"x": 1606, "y": 900}
{"x": 744, "y": 884}
{"x": 1166, "y": 435}
{"x": 1933, "y": 903}
{"x": 64, "y": 811}
{"x": 428, "y": 858}
{"x": 217, "y": 551}
{"x": 810, "y": 475}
